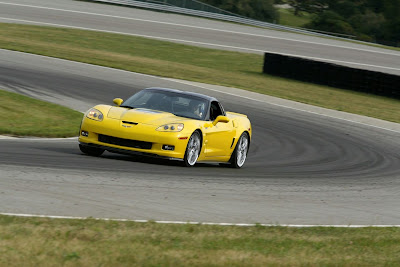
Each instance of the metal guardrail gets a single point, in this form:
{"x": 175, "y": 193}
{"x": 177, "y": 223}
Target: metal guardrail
{"x": 188, "y": 4}
{"x": 207, "y": 12}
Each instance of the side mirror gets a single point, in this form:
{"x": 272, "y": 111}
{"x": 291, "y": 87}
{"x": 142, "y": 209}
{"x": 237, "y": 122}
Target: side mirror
{"x": 118, "y": 101}
{"x": 223, "y": 119}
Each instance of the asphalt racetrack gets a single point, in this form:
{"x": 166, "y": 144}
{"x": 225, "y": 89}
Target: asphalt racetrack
{"x": 303, "y": 168}
{"x": 305, "y": 165}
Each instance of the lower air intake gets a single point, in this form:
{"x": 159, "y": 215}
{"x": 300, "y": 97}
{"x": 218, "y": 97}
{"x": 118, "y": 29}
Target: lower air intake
{"x": 124, "y": 142}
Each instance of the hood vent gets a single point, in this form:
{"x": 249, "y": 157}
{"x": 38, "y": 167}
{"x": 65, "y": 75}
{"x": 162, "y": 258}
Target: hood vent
{"x": 130, "y": 122}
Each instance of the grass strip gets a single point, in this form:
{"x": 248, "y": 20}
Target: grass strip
{"x": 21, "y": 115}
{"x": 287, "y": 17}
{"x": 60, "y": 242}
{"x": 240, "y": 70}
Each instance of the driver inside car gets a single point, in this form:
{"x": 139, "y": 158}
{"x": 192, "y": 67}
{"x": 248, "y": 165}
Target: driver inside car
{"x": 196, "y": 108}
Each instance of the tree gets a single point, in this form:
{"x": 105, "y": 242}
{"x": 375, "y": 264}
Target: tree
{"x": 264, "y": 10}
{"x": 391, "y": 32}
{"x": 257, "y": 9}
{"x": 310, "y": 6}
{"x": 369, "y": 20}
{"x": 330, "y": 21}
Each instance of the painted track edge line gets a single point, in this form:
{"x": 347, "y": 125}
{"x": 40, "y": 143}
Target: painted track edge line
{"x": 199, "y": 223}
{"x": 33, "y": 138}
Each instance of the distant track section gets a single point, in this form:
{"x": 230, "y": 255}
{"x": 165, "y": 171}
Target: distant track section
{"x": 196, "y": 31}
{"x": 226, "y": 16}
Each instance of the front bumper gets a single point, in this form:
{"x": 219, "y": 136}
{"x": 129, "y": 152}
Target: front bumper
{"x": 141, "y": 133}
{"x": 128, "y": 152}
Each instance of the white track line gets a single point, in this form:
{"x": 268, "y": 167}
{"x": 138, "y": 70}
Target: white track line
{"x": 199, "y": 223}
{"x": 206, "y": 28}
{"x": 202, "y": 43}
{"x": 6, "y": 137}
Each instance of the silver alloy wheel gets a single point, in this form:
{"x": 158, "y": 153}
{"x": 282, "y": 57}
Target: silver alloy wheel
{"x": 242, "y": 148}
{"x": 193, "y": 149}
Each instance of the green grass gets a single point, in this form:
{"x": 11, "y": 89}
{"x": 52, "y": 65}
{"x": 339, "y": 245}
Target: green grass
{"x": 286, "y": 17}
{"x": 21, "y": 115}
{"x": 57, "y": 242}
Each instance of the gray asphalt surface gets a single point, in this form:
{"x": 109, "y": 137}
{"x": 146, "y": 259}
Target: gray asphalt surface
{"x": 195, "y": 31}
{"x": 302, "y": 168}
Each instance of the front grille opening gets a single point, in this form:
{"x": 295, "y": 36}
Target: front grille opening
{"x": 124, "y": 142}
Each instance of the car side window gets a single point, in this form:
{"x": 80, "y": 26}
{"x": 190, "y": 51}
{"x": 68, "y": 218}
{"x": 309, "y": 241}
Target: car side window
{"x": 215, "y": 110}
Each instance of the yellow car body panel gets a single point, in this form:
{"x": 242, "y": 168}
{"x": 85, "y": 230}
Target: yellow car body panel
{"x": 218, "y": 141}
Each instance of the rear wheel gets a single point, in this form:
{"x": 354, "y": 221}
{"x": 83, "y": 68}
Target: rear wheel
{"x": 91, "y": 151}
{"x": 192, "y": 150}
{"x": 239, "y": 155}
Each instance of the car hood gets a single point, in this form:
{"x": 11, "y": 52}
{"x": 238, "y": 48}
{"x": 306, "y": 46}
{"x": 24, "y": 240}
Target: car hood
{"x": 141, "y": 115}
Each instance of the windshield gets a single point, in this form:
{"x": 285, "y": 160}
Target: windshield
{"x": 174, "y": 102}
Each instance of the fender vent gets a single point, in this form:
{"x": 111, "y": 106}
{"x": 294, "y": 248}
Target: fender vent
{"x": 233, "y": 141}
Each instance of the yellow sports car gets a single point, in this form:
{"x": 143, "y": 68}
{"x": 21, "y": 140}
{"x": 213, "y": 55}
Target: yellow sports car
{"x": 167, "y": 123}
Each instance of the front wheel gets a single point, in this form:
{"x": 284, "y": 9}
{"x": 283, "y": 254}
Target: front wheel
{"x": 192, "y": 150}
{"x": 239, "y": 155}
{"x": 91, "y": 151}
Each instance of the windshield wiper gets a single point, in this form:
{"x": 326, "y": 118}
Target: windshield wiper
{"x": 127, "y": 107}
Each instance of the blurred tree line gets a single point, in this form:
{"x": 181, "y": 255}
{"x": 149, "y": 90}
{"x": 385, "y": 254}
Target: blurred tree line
{"x": 367, "y": 20}
{"x": 256, "y": 9}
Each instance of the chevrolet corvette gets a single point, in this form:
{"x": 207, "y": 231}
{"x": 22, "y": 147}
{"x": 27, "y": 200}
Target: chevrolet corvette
{"x": 167, "y": 123}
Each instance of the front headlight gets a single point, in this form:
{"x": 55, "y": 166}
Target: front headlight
{"x": 94, "y": 114}
{"x": 173, "y": 127}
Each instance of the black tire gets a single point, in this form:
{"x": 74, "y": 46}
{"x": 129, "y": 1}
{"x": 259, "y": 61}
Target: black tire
{"x": 192, "y": 150}
{"x": 239, "y": 155}
{"x": 91, "y": 151}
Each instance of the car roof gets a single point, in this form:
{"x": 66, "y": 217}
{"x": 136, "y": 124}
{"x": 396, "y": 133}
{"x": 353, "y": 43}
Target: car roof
{"x": 206, "y": 97}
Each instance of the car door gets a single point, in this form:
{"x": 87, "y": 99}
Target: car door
{"x": 218, "y": 138}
